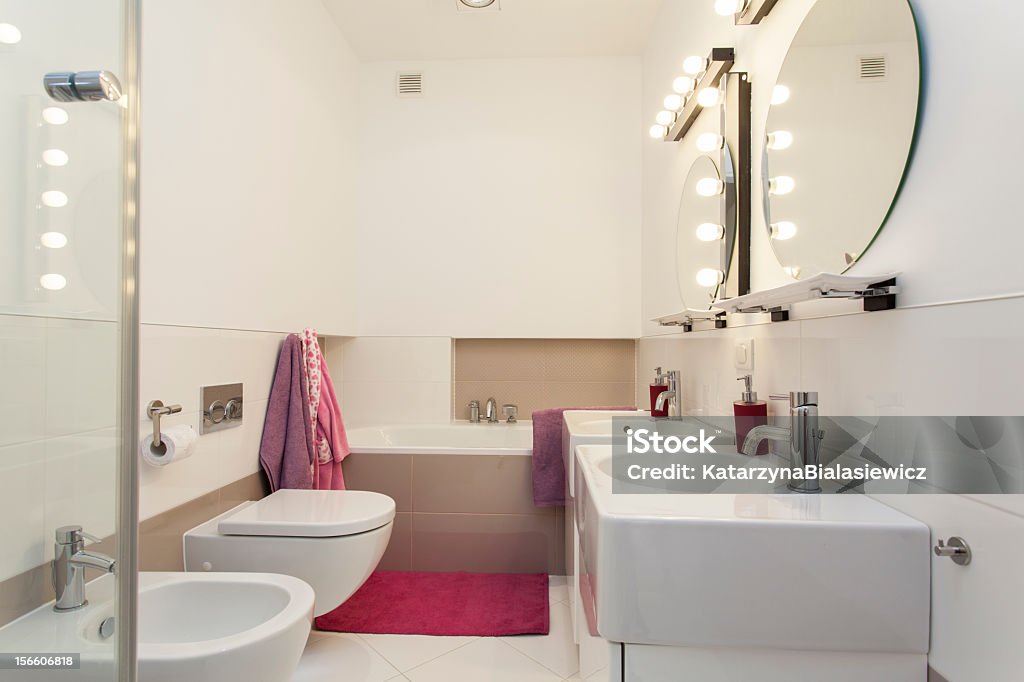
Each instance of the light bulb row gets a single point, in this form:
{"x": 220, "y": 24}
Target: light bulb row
{"x": 53, "y": 198}
{"x": 728, "y": 8}
{"x": 683, "y": 89}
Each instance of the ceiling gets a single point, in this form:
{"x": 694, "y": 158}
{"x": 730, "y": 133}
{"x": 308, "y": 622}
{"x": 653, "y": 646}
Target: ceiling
{"x": 438, "y": 29}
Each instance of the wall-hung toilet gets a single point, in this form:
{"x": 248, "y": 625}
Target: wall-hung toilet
{"x": 332, "y": 539}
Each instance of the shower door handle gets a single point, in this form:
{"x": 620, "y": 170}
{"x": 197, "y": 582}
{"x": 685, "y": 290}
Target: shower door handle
{"x": 82, "y": 86}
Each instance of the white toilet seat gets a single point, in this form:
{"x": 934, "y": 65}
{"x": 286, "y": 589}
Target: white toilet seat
{"x": 311, "y": 514}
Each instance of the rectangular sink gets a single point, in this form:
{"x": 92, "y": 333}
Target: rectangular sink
{"x": 766, "y": 571}
{"x": 583, "y": 427}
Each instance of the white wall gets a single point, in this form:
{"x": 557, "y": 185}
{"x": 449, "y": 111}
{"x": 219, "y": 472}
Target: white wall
{"x": 505, "y": 202}
{"x": 953, "y": 236}
{"x": 248, "y": 189}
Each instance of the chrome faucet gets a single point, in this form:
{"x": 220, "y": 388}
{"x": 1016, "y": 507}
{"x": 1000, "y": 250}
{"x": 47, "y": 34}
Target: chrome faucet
{"x": 804, "y": 437}
{"x": 491, "y": 411}
{"x": 671, "y": 395}
{"x": 69, "y": 563}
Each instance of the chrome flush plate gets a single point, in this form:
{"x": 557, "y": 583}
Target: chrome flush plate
{"x": 221, "y": 407}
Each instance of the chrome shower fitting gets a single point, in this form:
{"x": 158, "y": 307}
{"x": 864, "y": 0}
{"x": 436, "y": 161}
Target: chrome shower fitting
{"x": 82, "y": 86}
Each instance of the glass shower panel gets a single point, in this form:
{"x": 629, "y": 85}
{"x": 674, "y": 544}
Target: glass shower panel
{"x": 61, "y": 215}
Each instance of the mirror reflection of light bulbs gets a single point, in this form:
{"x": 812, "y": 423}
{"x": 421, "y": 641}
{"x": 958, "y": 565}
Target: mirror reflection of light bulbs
{"x": 780, "y": 94}
{"x": 53, "y": 281}
{"x": 710, "y": 142}
{"x": 657, "y": 131}
{"x": 709, "y": 187}
{"x": 54, "y": 198}
{"x": 783, "y": 230}
{"x": 780, "y": 139}
{"x": 709, "y": 97}
{"x": 665, "y": 118}
{"x": 683, "y": 85}
{"x": 55, "y": 157}
{"x": 710, "y": 232}
{"x": 693, "y": 65}
{"x": 673, "y": 102}
{"x": 9, "y": 34}
{"x": 55, "y": 116}
{"x": 710, "y": 277}
{"x": 53, "y": 240}
{"x": 780, "y": 185}
{"x": 727, "y": 8}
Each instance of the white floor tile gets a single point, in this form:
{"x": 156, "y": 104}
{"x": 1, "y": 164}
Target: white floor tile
{"x": 555, "y": 650}
{"x": 329, "y": 658}
{"x": 408, "y": 651}
{"x": 558, "y": 588}
{"x": 485, "y": 660}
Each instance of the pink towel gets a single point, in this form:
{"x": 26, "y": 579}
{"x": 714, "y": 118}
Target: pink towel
{"x": 286, "y": 450}
{"x": 549, "y": 485}
{"x": 326, "y": 426}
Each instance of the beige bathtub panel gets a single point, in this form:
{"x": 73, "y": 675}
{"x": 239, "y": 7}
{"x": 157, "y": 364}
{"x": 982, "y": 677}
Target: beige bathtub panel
{"x": 389, "y": 474}
{"x": 473, "y": 484}
{"x": 501, "y": 543}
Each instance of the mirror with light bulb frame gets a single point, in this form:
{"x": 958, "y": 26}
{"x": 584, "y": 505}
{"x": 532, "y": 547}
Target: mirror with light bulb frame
{"x": 839, "y": 133}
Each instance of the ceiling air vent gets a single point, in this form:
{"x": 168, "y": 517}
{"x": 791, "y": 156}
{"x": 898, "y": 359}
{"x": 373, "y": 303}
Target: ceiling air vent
{"x": 874, "y": 68}
{"x": 409, "y": 84}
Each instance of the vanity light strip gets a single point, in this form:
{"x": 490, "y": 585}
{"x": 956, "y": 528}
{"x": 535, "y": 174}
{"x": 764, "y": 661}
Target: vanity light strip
{"x": 720, "y": 61}
{"x": 756, "y": 11}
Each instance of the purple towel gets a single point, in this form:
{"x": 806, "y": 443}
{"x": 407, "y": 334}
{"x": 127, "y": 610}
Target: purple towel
{"x": 549, "y": 485}
{"x": 286, "y": 451}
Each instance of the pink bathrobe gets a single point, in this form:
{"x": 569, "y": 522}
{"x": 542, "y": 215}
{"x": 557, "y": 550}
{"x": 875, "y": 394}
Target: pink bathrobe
{"x": 331, "y": 430}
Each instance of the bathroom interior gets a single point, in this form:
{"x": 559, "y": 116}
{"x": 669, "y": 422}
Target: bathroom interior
{"x": 463, "y": 219}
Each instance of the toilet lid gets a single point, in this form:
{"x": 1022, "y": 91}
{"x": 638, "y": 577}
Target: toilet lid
{"x": 311, "y": 513}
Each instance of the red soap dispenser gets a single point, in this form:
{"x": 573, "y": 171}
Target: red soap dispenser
{"x": 659, "y": 386}
{"x": 749, "y": 412}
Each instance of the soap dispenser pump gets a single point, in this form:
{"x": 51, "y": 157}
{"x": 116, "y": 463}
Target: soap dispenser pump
{"x": 749, "y": 412}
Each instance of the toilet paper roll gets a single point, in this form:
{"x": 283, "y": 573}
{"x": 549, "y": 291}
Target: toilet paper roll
{"x": 177, "y": 443}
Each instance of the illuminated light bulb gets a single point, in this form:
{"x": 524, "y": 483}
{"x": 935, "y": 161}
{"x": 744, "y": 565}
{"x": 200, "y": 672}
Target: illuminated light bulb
{"x": 709, "y": 97}
{"x": 710, "y": 142}
{"x": 665, "y": 118}
{"x": 683, "y": 85}
{"x": 55, "y": 157}
{"x": 780, "y": 139}
{"x": 657, "y": 131}
{"x": 54, "y": 198}
{"x": 694, "y": 65}
{"x": 710, "y": 232}
{"x": 673, "y": 102}
{"x": 53, "y": 240}
{"x": 709, "y": 277}
{"x": 727, "y": 8}
{"x": 53, "y": 281}
{"x": 783, "y": 230}
{"x": 55, "y": 116}
{"x": 780, "y": 94}
{"x": 781, "y": 185}
{"x": 709, "y": 187}
{"x": 9, "y": 34}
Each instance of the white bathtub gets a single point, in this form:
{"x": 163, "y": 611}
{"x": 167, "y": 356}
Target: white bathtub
{"x": 459, "y": 438}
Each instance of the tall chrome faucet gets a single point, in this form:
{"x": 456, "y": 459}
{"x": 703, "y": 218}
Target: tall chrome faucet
{"x": 69, "y": 563}
{"x": 671, "y": 395}
{"x": 804, "y": 437}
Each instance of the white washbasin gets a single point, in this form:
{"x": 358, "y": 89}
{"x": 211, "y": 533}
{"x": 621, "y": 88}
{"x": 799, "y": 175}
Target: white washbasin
{"x": 582, "y": 427}
{"x": 202, "y": 627}
{"x": 753, "y": 571}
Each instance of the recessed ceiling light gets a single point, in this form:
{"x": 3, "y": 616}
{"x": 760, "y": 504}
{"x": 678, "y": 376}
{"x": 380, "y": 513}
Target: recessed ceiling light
{"x": 477, "y": 4}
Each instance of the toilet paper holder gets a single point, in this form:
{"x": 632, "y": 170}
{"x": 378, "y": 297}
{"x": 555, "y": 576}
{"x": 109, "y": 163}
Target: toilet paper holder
{"x": 155, "y": 410}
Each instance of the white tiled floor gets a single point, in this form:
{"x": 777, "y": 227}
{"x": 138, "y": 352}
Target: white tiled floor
{"x": 338, "y": 657}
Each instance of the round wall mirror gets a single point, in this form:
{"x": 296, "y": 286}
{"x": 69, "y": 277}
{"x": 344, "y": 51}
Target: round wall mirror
{"x": 700, "y": 235}
{"x": 839, "y": 132}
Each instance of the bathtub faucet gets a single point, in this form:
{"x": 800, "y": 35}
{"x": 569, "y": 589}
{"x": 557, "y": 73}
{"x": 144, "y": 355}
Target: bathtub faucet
{"x": 491, "y": 411}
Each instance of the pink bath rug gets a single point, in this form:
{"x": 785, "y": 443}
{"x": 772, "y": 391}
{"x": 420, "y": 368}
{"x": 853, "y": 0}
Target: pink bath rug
{"x": 455, "y": 604}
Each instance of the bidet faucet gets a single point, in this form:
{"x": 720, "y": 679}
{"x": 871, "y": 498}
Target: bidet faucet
{"x": 69, "y": 563}
{"x": 671, "y": 395}
{"x": 804, "y": 437}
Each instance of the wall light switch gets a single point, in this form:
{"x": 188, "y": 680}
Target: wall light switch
{"x": 744, "y": 354}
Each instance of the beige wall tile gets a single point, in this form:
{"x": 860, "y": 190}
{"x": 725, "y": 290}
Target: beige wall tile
{"x": 382, "y": 473}
{"x": 473, "y": 484}
{"x": 398, "y": 555}
{"x": 527, "y": 395}
{"x": 500, "y": 359}
{"x": 24, "y": 592}
{"x": 589, "y": 394}
{"x": 500, "y": 543}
